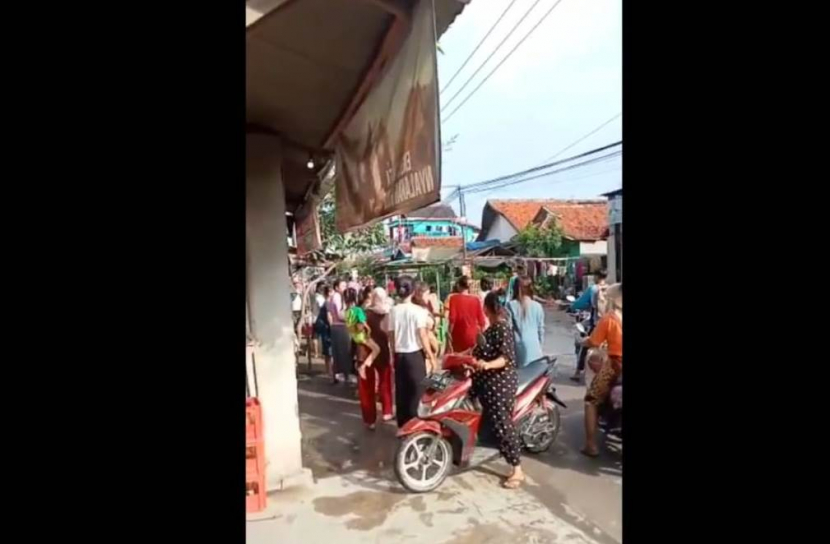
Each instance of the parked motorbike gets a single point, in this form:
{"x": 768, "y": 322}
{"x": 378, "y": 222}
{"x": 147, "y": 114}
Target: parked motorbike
{"x": 610, "y": 412}
{"x": 446, "y": 431}
{"x": 582, "y": 332}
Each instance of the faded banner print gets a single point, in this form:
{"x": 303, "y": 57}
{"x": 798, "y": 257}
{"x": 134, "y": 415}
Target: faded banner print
{"x": 388, "y": 155}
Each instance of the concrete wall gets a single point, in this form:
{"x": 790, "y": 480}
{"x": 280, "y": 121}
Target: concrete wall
{"x": 614, "y": 275}
{"x": 614, "y": 219}
{"x": 270, "y": 311}
{"x": 501, "y": 229}
{"x": 600, "y": 247}
{"x": 419, "y": 228}
{"x": 612, "y": 266}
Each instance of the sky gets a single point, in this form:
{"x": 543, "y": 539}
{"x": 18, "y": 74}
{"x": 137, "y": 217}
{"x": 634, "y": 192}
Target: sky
{"x": 560, "y": 84}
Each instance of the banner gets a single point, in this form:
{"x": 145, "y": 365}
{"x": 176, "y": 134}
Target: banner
{"x": 307, "y": 226}
{"x": 388, "y": 156}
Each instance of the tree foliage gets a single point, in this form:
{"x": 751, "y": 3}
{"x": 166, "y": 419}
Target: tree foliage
{"x": 535, "y": 241}
{"x": 360, "y": 240}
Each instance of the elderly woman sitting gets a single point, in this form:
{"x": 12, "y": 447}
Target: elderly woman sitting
{"x": 608, "y": 331}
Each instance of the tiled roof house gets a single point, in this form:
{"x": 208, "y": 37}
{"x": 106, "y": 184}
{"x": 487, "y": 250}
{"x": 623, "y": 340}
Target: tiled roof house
{"x": 584, "y": 222}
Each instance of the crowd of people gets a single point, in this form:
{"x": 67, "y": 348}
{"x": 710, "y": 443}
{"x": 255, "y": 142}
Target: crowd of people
{"x": 374, "y": 336}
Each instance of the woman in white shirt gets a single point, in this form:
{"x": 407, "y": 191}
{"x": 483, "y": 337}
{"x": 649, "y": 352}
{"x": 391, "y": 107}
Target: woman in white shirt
{"x": 408, "y": 339}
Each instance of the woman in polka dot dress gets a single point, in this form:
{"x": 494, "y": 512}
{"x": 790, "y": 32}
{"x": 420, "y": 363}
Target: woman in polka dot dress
{"x": 495, "y": 383}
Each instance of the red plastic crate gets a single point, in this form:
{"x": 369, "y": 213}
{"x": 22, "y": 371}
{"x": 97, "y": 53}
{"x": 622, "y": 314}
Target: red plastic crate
{"x": 254, "y": 460}
{"x": 253, "y": 419}
{"x": 254, "y": 497}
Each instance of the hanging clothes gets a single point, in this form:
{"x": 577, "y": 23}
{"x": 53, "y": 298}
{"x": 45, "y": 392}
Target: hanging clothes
{"x": 580, "y": 272}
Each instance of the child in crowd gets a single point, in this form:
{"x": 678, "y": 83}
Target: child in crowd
{"x": 360, "y": 332}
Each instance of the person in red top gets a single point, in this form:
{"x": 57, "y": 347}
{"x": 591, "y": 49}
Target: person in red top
{"x": 466, "y": 316}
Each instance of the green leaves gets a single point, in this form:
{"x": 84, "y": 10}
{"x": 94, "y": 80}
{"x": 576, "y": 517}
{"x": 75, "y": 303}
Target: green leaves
{"x": 360, "y": 240}
{"x": 535, "y": 241}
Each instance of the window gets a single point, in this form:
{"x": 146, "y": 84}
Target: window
{"x": 429, "y": 228}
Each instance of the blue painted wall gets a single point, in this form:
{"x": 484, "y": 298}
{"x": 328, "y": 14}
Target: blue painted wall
{"x": 438, "y": 228}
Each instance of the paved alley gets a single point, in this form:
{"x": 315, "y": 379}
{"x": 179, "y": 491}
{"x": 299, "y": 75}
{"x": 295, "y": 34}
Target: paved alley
{"x": 356, "y": 498}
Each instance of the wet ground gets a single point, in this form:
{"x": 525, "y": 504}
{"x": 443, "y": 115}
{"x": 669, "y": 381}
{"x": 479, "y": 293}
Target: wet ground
{"x": 567, "y": 498}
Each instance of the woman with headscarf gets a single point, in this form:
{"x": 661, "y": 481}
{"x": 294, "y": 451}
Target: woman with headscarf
{"x": 376, "y": 305}
{"x": 608, "y": 331}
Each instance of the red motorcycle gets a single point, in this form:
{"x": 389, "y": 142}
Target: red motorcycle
{"x": 446, "y": 431}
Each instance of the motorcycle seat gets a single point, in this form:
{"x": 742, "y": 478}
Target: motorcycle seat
{"x": 530, "y": 373}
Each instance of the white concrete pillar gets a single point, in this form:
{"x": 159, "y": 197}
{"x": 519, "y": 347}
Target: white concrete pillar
{"x": 268, "y": 288}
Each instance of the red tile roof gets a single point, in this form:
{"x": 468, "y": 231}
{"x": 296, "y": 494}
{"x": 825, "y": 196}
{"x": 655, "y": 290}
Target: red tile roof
{"x": 580, "y": 219}
{"x": 436, "y": 241}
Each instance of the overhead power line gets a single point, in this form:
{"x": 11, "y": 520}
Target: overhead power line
{"x": 581, "y": 139}
{"x": 483, "y": 81}
{"x": 493, "y": 52}
{"x": 483, "y": 185}
{"x": 544, "y": 174}
{"x": 595, "y": 160}
{"x": 542, "y": 167}
{"x": 463, "y": 64}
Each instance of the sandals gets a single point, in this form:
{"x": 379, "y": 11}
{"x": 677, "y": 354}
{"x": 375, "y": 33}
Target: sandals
{"x": 587, "y": 453}
{"x": 513, "y": 483}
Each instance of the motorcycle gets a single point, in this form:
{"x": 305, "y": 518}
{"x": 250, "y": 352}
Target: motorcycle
{"x": 446, "y": 431}
{"x": 610, "y": 411}
{"x": 582, "y": 332}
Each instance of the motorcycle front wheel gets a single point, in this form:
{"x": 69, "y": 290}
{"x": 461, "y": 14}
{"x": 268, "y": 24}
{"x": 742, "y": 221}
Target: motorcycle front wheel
{"x": 415, "y": 469}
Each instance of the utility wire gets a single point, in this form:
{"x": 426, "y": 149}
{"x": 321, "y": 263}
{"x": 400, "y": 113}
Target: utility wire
{"x": 541, "y": 167}
{"x": 544, "y": 174}
{"x": 597, "y": 129}
{"x": 463, "y": 64}
{"x": 499, "y": 181}
{"x": 483, "y": 81}
{"x": 493, "y": 52}
{"x": 569, "y": 179}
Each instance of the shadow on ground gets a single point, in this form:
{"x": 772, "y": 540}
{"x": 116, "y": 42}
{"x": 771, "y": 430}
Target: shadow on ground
{"x": 335, "y": 440}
